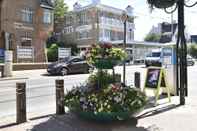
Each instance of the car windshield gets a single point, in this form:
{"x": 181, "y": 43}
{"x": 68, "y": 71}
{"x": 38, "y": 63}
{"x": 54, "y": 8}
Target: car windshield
{"x": 156, "y": 54}
{"x": 148, "y": 55}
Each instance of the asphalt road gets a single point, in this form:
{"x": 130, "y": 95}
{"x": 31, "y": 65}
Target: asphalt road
{"x": 41, "y": 90}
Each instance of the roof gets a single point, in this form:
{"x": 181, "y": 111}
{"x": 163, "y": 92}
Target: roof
{"x": 46, "y": 4}
{"x": 103, "y": 7}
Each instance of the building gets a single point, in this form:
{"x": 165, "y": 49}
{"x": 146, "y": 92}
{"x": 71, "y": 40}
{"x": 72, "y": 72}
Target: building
{"x": 24, "y": 28}
{"x": 95, "y": 23}
{"x": 167, "y": 31}
{"x": 193, "y": 38}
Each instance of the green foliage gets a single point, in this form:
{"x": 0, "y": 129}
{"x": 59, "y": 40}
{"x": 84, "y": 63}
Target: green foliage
{"x": 52, "y": 53}
{"x": 192, "y": 50}
{"x": 60, "y": 9}
{"x": 105, "y": 52}
{"x": 104, "y": 77}
{"x": 152, "y": 37}
{"x": 113, "y": 101}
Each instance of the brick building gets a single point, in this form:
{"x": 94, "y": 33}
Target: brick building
{"x": 24, "y": 28}
{"x": 94, "y": 23}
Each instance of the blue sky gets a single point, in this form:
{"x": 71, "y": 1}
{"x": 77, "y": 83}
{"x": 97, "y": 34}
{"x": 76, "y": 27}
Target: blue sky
{"x": 144, "y": 18}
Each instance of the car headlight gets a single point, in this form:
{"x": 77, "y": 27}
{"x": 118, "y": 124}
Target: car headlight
{"x": 56, "y": 66}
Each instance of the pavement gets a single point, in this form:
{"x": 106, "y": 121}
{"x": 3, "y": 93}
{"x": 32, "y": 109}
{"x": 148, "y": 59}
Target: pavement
{"x": 25, "y": 74}
{"x": 164, "y": 117}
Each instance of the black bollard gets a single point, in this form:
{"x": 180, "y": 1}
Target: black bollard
{"x": 60, "y": 97}
{"x": 137, "y": 80}
{"x": 21, "y": 103}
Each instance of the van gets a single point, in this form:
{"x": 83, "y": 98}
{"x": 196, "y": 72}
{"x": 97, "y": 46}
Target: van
{"x": 154, "y": 58}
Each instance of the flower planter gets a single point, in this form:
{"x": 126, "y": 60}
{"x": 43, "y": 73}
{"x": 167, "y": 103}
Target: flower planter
{"x": 104, "y": 116}
{"x": 105, "y": 63}
{"x": 161, "y": 3}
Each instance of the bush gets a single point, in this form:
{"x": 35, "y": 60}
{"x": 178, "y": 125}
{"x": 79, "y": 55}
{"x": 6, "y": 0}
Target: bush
{"x": 52, "y": 53}
{"x": 152, "y": 37}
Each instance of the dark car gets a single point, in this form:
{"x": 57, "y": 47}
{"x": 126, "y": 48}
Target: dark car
{"x": 68, "y": 66}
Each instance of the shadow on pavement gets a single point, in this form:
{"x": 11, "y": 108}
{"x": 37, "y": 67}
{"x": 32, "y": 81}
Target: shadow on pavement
{"x": 70, "y": 122}
{"x": 158, "y": 110}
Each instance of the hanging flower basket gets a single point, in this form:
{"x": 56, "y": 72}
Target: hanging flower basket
{"x": 105, "y": 63}
{"x": 104, "y": 56}
{"x": 161, "y": 3}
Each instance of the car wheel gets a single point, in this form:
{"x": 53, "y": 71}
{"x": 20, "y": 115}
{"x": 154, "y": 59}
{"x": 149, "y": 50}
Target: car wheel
{"x": 64, "y": 71}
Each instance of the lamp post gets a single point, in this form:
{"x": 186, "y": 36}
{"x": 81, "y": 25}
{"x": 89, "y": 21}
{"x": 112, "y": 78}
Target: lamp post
{"x": 124, "y": 19}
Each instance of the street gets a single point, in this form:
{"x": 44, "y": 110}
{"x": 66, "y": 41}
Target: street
{"x": 41, "y": 89}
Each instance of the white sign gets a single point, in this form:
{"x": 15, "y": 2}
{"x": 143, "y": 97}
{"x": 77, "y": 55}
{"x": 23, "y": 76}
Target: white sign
{"x": 83, "y": 28}
{"x": 25, "y": 52}
{"x": 64, "y": 52}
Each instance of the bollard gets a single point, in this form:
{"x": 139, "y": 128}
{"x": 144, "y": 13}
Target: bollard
{"x": 21, "y": 103}
{"x": 60, "y": 97}
{"x": 137, "y": 80}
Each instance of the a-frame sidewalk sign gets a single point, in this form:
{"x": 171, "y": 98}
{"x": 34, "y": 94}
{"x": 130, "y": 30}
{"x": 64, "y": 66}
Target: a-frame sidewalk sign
{"x": 155, "y": 80}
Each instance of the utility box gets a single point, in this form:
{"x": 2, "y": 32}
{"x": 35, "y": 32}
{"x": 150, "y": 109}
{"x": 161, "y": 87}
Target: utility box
{"x": 169, "y": 63}
{"x": 8, "y": 64}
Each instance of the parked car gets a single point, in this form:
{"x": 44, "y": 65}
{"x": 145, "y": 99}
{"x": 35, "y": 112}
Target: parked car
{"x": 72, "y": 65}
{"x": 154, "y": 58}
{"x": 190, "y": 61}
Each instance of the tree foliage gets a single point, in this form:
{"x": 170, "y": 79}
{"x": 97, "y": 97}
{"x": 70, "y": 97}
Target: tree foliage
{"x": 152, "y": 37}
{"x": 60, "y": 9}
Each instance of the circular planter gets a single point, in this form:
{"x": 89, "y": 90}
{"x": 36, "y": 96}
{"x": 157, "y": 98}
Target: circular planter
{"x": 105, "y": 63}
{"x": 161, "y": 3}
{"x": 104, "y": 116}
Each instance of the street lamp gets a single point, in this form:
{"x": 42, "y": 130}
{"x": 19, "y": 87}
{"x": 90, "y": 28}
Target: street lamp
{"x": 124, "y": 19}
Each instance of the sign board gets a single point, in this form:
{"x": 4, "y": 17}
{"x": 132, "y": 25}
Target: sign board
{"x": 64, "y": 52}
{"x": 155, "y": 79}
{"x": 152, "y": 79}
{"x": 2, "y": 55}
{"x": 167, "y": 56}
{"x": 25, "y": 52}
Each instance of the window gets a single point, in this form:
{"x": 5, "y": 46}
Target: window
{"x": 83, "y": 20}
{"x": 27, "y": 15}
{"x": 26, "y": 40}
{"x": 47, "y": 16}
{"x": 84, "y": 35}
{"x": 68, "y": 30}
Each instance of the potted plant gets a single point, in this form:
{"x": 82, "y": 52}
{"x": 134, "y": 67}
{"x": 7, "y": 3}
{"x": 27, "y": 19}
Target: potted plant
{"x": 110, "y": 103}
{"x": 161, "y": 3}
{"x": 103, "y": 97}
{"x": 103, "y": 56}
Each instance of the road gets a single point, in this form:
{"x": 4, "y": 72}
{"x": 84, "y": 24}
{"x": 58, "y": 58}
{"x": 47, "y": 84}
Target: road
{"x": 41, "y": 89}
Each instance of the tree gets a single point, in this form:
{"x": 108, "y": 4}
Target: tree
{"x": 60, "y": 8}
{"x": 152, "y": 37}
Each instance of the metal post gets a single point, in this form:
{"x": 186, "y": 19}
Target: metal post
{"x": 21, "y": 103}
{"x": 60, "y": 97}
{"x": 137, "y": 80}
{"x": 182, "y": 57}
{"x": 124, "y": 46}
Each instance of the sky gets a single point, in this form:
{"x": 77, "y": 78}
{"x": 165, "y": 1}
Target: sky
{"x": 145, "y": 19}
